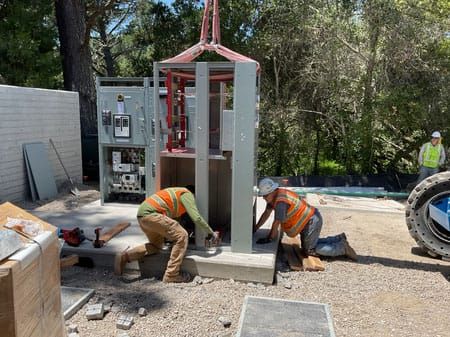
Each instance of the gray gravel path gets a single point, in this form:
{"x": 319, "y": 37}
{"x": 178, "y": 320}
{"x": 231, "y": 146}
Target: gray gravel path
{"x": 388, "y": 292}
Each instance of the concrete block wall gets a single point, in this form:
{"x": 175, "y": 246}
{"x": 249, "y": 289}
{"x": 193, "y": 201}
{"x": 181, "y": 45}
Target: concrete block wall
{"x": 29, "y": 115}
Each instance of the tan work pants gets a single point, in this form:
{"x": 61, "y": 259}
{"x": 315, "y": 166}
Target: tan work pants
{"x": 157, "y": 227}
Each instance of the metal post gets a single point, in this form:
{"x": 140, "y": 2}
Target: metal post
{"x": 100, "y": 145}
{"x": 155, "y": 166}
{"x": 150, "y": 151}
{"x": 243, "y": 157}
{"x": 201, "y": 145}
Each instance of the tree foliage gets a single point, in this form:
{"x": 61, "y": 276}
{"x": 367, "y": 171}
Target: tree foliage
{"x": 28, "y": 44}
{"x": 348, "y": 86}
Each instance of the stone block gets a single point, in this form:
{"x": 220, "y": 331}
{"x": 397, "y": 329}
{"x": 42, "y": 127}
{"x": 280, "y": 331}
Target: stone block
{"x": 95, "y": 311}
{"x": 72, "y": 328}
{"x": 224, "y": 321}
{"x": 124, "y": 322}
{"x": 142, "y": 312}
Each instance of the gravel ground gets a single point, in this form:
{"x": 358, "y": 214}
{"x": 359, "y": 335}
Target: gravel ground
{"x": 388, "y": 292}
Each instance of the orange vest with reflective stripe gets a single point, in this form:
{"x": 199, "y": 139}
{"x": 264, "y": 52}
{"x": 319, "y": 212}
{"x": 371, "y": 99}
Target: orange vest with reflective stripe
{"x": 298, "y": 213}
{"x": 167, "y": 201}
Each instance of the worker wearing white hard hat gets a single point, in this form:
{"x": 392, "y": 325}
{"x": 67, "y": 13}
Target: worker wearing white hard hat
{"x": 431, "y": 156}
{"x": 296, "y": 217}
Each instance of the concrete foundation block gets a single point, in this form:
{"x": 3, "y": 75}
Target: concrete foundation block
{"x": 124, "y": 322}
{"x": 95, "y": 311}
{"x": 142, "y": 312}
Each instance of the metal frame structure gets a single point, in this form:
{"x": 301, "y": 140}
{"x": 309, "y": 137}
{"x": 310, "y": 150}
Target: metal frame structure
{"x": 243, "y": 155}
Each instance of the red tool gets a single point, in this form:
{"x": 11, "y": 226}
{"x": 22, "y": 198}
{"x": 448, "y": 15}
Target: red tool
{"x": 97, "y": 242}
{"x": 73, "y": 237}
{"x": 100, "y": 241}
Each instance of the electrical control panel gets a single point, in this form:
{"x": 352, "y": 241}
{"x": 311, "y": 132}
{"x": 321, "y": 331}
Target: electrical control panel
{"x": 122, "y": 126}
{"x": 124, "y": 115}
{"x": 125, "y": 173}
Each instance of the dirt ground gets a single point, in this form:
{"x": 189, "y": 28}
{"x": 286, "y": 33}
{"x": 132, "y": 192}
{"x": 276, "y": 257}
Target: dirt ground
{"x": 388, "y": 292}
{"x": 65, "y": 201}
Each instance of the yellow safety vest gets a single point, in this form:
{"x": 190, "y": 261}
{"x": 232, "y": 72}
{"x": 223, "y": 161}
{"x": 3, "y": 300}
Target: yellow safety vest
{"x": 431, "y": 155}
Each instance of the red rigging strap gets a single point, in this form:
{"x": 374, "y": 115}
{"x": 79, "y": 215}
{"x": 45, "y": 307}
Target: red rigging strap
{"x": 196, "y": 50}
{"x": 205, "y": 24}
{"x": 216, "y": 24}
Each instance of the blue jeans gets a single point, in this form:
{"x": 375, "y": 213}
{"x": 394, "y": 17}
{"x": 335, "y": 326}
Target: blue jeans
{"x": 329, "y": 246}
{"x": 426, "y": 172}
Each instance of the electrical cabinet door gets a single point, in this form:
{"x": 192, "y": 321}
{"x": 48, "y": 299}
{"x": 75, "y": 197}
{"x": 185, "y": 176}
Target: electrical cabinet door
{"x": 124, "y": 116}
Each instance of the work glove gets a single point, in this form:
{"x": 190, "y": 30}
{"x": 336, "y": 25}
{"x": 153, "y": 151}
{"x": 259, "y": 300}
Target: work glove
{"x": 262, "y": 241}
{"x": 215, "y": 236}
{"x": 213, "y": 240}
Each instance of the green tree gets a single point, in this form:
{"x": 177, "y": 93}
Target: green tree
{"x": 28, "y": 44}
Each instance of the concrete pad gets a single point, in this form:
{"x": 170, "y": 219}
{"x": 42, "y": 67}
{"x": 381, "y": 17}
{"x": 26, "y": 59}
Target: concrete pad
{"x": 219, "y": 263}
{"x": 92, "y": 216}
{"x": 259, "y": 266}
{"x": 264, "y": 317}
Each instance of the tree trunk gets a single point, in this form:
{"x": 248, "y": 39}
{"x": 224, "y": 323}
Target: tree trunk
{"x": 107, "y": 55}
{"x": 317, "y": 150}
{"x": 77, "y": 59}
{"x": 367, "y": 108}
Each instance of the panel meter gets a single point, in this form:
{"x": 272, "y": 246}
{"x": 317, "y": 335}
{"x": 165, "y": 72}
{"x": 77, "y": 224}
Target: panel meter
{"x": 122, "y": 126}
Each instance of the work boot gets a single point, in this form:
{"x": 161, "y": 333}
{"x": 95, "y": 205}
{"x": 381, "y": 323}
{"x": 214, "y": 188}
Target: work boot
{"x": 343, "y": 236}
{"x": 120, "y": 261}
{"x": 311, "y": 252}
{"x": 350, "y": 252}
{"x": 182, "y": 277}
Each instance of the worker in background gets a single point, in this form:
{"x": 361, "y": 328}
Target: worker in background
{"x": 431, "y": 156}
{"x": 156, "y": 217}
{"x": 296, "y": 217}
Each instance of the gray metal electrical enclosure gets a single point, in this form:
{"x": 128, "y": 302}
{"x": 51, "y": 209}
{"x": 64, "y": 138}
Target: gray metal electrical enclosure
{"x": 191, "y": 124}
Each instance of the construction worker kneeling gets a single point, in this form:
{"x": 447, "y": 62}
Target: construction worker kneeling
{"x": 156, "y": 218}
{"x": 296, "y": 217}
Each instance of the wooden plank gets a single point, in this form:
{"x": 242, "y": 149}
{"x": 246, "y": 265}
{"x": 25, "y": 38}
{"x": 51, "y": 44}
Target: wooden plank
{"x": 69, "y": 261}
{"x": 309, "y": 263}
{"x": 291, "y": 256}
{"x": 312, "y": 263}
{"x": 108, "y": 235}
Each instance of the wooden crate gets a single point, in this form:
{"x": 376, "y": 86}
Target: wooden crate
{"x": 30, "y": 291}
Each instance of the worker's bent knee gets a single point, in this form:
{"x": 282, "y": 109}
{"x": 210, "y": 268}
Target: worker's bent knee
{"x": 181, "y": 235}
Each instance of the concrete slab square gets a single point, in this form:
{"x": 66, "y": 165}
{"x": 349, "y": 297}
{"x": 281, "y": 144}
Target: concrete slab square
{"x": 95, "y": 311}
{"x": 272, "y": 317}
{"x": 124, "y": 322}
{"x": 72, "y": 299}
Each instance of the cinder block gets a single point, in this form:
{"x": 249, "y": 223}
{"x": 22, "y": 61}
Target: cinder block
{"x": 142, "y": 312}
{"x": 95, "y": 311}
{"x": 124, "y": 322}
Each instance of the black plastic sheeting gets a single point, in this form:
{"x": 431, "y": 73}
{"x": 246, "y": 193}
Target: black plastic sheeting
{"x": 392, "y": 182}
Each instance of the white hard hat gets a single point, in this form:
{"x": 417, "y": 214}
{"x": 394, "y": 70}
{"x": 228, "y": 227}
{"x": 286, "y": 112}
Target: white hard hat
{"x": 436, "y": 134}
{"x": 266, "y": 186}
